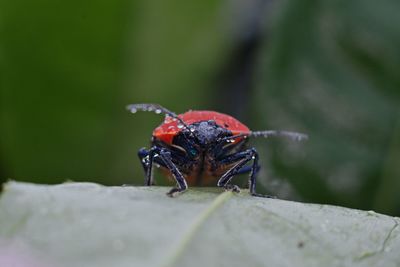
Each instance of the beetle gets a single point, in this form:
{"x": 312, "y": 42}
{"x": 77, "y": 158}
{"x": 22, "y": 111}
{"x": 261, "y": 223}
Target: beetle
{"x": 198, "y": 148}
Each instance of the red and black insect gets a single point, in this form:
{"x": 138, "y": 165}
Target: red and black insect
{"x": 198, "y": 148}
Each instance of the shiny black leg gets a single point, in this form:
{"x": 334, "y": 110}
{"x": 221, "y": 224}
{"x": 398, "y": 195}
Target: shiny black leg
{"x": 241, "y": 159}
{"x": 163, "y": 157}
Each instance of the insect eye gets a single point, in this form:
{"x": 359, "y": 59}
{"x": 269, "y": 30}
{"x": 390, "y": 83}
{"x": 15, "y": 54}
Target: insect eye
{"x": 193, "y": 152}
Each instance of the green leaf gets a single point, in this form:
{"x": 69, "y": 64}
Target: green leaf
{"x": 330, "y": 70}
{"x": 85, "y": 224}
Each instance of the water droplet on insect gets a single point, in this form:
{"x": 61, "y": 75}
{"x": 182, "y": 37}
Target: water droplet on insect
{"x": 302, "y": 137}
{"x": 133, "y": 110}
{"x": 192, "y": 129}
{"x": 158, "y": 111}
{"x": 180, "y": 126}
{"x": 253, "y": 157}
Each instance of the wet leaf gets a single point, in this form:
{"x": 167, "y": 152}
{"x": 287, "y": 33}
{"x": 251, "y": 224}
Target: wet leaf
{"x": 85, "y": 224}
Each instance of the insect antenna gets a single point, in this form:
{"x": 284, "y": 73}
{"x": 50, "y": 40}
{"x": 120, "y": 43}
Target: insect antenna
{"x": 156, "y": 108}
{"x": 292, "y": 135}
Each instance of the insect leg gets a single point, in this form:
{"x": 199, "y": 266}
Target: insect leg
{"x": 161, "y": 156}
{"x": 165, "y": 155}
{"x": 242, "y": 158}
{"x": 147, "y": 162}
{"x": 247, "y": 169}
{"x": 144, "y": 156}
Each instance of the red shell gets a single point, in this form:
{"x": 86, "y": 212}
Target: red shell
{"x": 169, "y": 128}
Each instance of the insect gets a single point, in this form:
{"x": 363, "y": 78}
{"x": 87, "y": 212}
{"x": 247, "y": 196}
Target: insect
{"x": 199, "y": 148}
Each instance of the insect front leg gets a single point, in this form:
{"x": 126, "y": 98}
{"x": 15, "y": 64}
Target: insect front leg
{"x": 147, "y": 164}
{"x": 144, "y": 156}
{"x": 163, "y": 157}
{"x": 241, "y": 159}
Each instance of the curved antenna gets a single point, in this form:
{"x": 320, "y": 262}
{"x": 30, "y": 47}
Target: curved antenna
{"x": 292, "y": 135}
{"x": 156, "y": 108}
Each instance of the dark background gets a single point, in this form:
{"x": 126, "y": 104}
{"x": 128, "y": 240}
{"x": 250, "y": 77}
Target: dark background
{"x": 327, "y": 68}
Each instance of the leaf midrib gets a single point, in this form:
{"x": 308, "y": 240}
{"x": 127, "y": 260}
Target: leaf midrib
{"x": 178, "y": 249}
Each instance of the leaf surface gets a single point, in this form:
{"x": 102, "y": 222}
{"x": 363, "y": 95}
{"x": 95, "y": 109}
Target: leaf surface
{"x": 85, "y": 224}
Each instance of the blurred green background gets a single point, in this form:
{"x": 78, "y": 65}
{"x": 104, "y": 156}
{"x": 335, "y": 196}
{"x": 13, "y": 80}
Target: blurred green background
{"x": 327, "y": 68}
